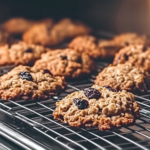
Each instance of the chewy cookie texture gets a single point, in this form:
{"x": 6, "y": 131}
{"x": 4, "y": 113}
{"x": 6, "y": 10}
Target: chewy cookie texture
{"x": 98, "y": 106}
{"x": 105, "y": 48}
{"x": 66, "y": 62}
{"x": 20, "y": 53}
{"x": 49, "y": 35}
{"x": 93, "y": 47}
{"x": 5, "y": 38}
{"x": 124, "y": 77}
{"x": 25, "y": 83}
{"x": 137, "y": 55}
{"x": 130, "y": 38}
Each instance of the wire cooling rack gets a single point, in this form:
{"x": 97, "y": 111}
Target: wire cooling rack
{"x": 38, "y": 130}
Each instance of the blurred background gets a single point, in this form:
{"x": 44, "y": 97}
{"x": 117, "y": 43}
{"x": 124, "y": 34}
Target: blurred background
{"x": 115, "y": 16}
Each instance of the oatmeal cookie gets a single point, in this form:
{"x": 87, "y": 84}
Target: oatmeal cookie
{"x": 137, "y": 55}
{"x": 66, "y": 62}
{"x": 93, "y": 47}
{"x": 105, "y": 48}
{"x": 5, "y": 38}
{"x": 20, "y": 53}
{"x": 97, "y": 106}
{"x": 126, "y": 39}
{"x": 124, "y": 77}
{"x": 20, "y": 25}
{"x": 26, "y": 83}
{"x": 52, "y": 35}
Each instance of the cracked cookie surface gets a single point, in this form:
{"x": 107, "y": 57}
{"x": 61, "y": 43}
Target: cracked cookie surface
{"x": 111, "y": 109}
{"x": 105, "y": 48}
{"x": 26, "y": 83}
{"x": 93, "y": 47}
{"x": 20, "y": 53}
{"x": 137, "y": 55}
{"x": 66, "y": 62}
{"x": 130, "y": 39}
{"x": 52, "y": 35}
{"x": 124, "y": 77}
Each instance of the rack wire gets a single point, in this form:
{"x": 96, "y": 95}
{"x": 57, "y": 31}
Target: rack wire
{"x": 34, "y": 119}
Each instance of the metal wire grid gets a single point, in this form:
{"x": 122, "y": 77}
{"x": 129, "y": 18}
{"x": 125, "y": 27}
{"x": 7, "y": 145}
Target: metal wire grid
{"x": 39, "y": 116}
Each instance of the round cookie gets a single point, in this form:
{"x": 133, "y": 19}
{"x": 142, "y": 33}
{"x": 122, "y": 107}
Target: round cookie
{"x": 52, "y": 35}
{"x": 124, "y": 77}
{"x": 93, "y": 47}
{"x": 126, "y": 39}
{"x": 5, "y": 38}
{"x": 66, "y": 62}
{"x": 20, "y": 53}
{"x": 137, "y": 55}
{"x": 25, "y": 83}
{"x": 20, "y": 25}
{"x": 97, "y": 106}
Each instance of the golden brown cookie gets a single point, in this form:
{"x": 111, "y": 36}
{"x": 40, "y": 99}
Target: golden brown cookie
{"x": 126, "y": 39}
{"x": 20, "y": 53}
{"x": 137, "y": 55}
{"x": 5, "y": 38}
{"x": 97, "y": 106}
{"x": 105, "y": 48}
{"x": 124, "y": 77}
{"x": 66, "y": 62}
{"x": 24, "y": 83}
{"x": 20, "y": 25}
{"x": 52, "y": 35}
{"x": 93, "y": 47}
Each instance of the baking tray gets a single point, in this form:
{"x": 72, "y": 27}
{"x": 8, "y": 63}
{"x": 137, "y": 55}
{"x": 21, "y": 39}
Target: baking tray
{"x": 30, "y": 124}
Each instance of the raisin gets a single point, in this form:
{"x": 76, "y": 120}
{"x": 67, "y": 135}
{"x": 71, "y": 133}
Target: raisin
{"x": 81, "y": 103}
{"x": 61, "y": 117}
{"x": 29, "y": 50}
{"x": 144, "y": 48}
{"x": 126, "y": 43}
{"x": 25, "y": 75}
{"x": 63, "y": 57}
{"x": 92, "y": 93}
{"x": 126, "y": 56}
{"x": 79, "y": 60}
{"x": 47, "y": 71}
{"x": 110, "y": 88}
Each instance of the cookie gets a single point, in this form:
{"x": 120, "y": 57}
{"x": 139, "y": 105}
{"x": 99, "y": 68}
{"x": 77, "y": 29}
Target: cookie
{"x": 124, "y": 77}
{"x": 105, "y": 48}
{"x": 93, "y": 47}
{"x": 25, "y": 83}
{"x": 97, "y": 106}
{"x": 137, "y": 55}
{"x": 20, "y": 25}
{"x": 52, "y": 35}
{"x": 66, "y": 62}
{"x": 5, "y": 38}
{"x": 126, "y": 39}
{"x": 20, "y": 53}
